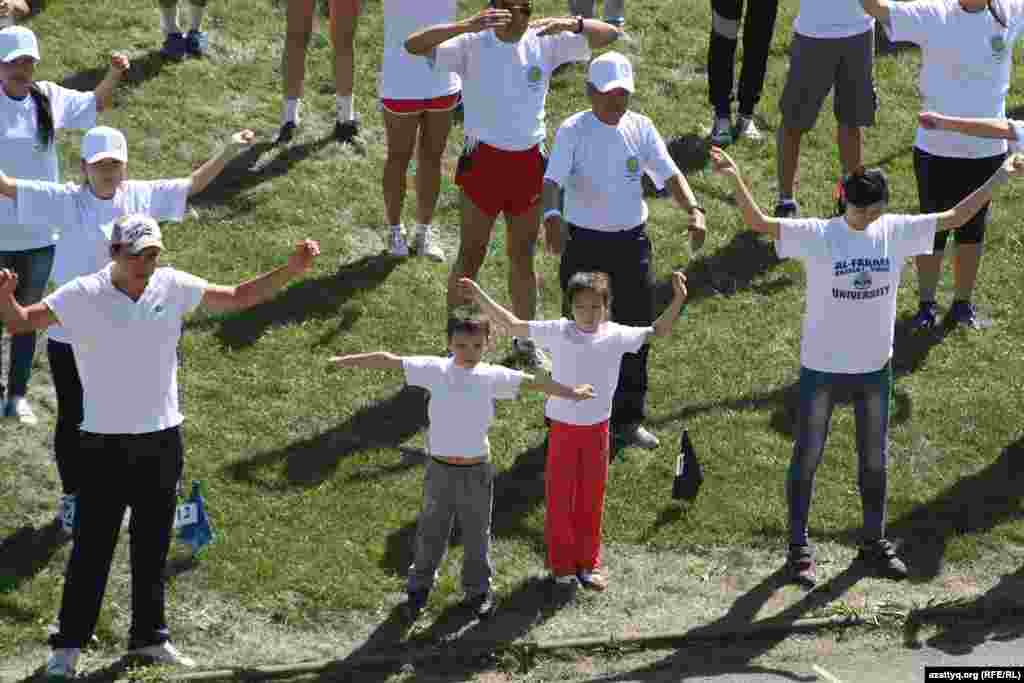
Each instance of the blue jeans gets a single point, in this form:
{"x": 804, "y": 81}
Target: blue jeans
{"x": 818, "y": 392}
{"x": 33, "y": 269}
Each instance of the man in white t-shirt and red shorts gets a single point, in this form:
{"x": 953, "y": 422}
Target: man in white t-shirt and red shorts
{"x": 506, "y": 65}
{"x": 833, "y": 48}
{"x": 966, "y": 63}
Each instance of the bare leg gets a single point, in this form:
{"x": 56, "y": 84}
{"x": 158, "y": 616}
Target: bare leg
{"x": 929, "y": 268}
{"x": 850, "y": 142}
{"x": 344, "y": 17}
{"x": 521, "y": 243}
{"x": 966, "y": 263}
{"x": 434, "y": 131}
{"x": 787, "y": 158}
{"x": 293, "y": 59}
{"x": 474, "y": 237}
{"x": 401, "y": 138}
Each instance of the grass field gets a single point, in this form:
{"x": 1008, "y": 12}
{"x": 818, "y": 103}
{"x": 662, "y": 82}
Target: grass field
{"x": 313, "y": 477}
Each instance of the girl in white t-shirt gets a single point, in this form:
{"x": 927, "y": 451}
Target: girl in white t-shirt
{"x": 30, "y": 114}
{"x": 853, "y": 265}
{"x": 587, "y": 349}
{"x": 458, "y": 483}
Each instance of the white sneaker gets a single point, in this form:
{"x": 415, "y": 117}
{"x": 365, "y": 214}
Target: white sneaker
{"x": 425, "y": 243}
{"x": 61, "y": 664}
{"x": 721, "y": 132}
{"x": 531, "y": 356}
{"x": 66, "y": 512}
{"x": 164, "y": 653}
{"x": 746, "y": 128}
{"x": 18, "y": 406}
{"x": 397, "y": 245}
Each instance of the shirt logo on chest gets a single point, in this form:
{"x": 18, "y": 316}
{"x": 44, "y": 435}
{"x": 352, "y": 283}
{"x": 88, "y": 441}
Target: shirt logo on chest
{"x": 534, "y": 77}
{"x": 632, "y": 168}
{"x": 862, "y": 281}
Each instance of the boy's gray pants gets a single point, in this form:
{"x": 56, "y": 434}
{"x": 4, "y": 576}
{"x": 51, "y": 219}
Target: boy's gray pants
{"x": 450, "y": 491}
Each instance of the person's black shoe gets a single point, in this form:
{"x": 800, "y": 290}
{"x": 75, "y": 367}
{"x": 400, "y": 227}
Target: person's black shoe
{"x": 925, "y": 318}
{"x": 800, "y": 567}
{"x": 287, "y": 132}
{"x": 962, "y": 313}
{"x": 787, "y": 208}
{"x": 414, "y": 604}
{"x": 481, "y": 604}
{"x": 345, "y": 132}
{"x": 880, "y": 557}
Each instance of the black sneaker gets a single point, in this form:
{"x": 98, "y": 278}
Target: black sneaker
{"x": 287, "y": 132}
{"x": 481, "y": 604}
{"x": 787, "y": 208}
{"x": 880, "y": 557}
{"x": 925, "y": 319}
{"x": 175, "y": 47}
{"x": 962, "y": 313}
{"x": 346, "y": 131}
{"x": 800, "y": 566}
{"x": 414, "y": 604}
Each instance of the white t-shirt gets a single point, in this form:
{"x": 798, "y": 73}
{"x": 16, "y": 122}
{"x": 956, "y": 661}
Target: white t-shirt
{"x": 600, "y": 165}
{"x": 127, "y": 351}
{"x": 965, "y": 67}
{"x": 86, "y": 220}
{"x": 832, "y": 19}
{"x": 404, "y": 76}
{"x": 586, "y": 358}
{"x": 852, "y": 279}
{"x": 505, "y": 85}
{"x": 461, "y": 402}
{"x": 21, "y": 156}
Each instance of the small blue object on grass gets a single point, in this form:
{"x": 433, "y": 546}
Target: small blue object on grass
{"x": 192, "y": 522}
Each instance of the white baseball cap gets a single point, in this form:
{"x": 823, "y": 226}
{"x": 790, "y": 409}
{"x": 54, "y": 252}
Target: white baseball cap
{"x": 18, "y": 41}
{"x": 135, "y": 232}
{"x": 610, "y": 71}
{"x": 104, "y": 142}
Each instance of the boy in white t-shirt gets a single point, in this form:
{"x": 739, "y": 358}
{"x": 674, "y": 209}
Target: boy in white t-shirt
{"x": 589, "y": 348}
{"x": 458, "y": 483}
{"x": 853, "y": 263}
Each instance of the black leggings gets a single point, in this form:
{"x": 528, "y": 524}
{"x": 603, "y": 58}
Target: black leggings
{"x": 757, "y": 39}
{"x": 66, "y": 436}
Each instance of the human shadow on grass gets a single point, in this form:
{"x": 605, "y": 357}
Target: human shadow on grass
{"x": 26, "y": 552}
{"x": 143, "y": 68}
{"x": 722, "y": 648}
{"x": 384, "y": 424}
{"x": 320, "y": 298}
{"x": 114, "y": 671}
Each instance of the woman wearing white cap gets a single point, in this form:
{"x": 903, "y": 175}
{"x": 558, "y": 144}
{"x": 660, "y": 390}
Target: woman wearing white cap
{"x": 86, "y": 214}
{"x": 125, "y": 322}
{"x": 417, "y": 104}
{"x": 30, "y": 114}
{"x": 506, "y": 64}
{"x": 597, "y": 159}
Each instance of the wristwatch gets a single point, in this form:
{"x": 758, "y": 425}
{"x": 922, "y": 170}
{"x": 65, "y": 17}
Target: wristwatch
{"x": 579, "y": 23}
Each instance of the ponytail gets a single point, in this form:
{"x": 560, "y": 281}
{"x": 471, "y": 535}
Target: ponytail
{"x": 44, "y": 113}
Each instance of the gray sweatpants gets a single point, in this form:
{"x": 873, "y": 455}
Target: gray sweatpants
{"x": 449, "y": 491}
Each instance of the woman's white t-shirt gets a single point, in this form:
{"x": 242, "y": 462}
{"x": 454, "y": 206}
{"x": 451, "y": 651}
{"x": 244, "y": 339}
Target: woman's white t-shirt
{"x": 461, "y": 402}
{"x": 600, "y": 167}
{"x": 127, "y": 351}
{"x": 404, "y": 76}
{"x": 22, "y": 157}
{"x": 586, "y": 358}
{"x": 966, "y": 61}
{"x": 505, "y": 85}
{"x": 86, "y": 220}
{"x": 852, "y": 279}
{"x": 832, "y": 19}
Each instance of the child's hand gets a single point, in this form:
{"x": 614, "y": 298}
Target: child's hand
{"x": 930, "y": 120}
{"x": 302, "y": 258}
{"x": 8, "y": 282}
{"x": 723, "y": 163}
{"x": 582, "y": 392}
{"x": 679, "y": 285}
{"x": 119, "y": 63}
{"x": 468, "y": 288}
{"x": 1014, "y": 165}
{"x": 242, "y": 139}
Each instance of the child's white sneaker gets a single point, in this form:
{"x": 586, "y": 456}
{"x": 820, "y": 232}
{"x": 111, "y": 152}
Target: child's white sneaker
{"x": 164, "y": 653}
{"x": 425, "y": 243}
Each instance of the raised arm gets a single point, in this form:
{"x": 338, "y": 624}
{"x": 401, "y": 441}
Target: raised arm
{"x": 205, "y": 174}
{"x": 879, "y": 9}
{"x": 219, "y": 299}
{"x": 550, "y": 387}
{"x": 668, "y": 317}
{"x": 972, "y": 203}
{"x": 598, "y": 33}
{"x": 752, "y": 215}
{"x": 979, "y": 128}
{"x": 104, "y": 92}
{"x": 376, "y": 360}
{"x": 20, "y": 319}
{"x": 422, "y": 42}
{"x": 501, "y": 316}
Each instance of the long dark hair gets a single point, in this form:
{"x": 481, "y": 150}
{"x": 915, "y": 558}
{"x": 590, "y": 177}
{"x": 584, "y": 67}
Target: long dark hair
{"x": 44, "y": 112}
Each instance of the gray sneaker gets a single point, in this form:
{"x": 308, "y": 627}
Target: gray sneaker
{"x": 637, "y": 435}
{"x": 530, "y": 355}
{"x": 19, "y": 407}
{"x": 397, "y": 245}
{"x": 425, "y": 243}
{"x": 747, "y": 129}
{"x": 721, "y": 132}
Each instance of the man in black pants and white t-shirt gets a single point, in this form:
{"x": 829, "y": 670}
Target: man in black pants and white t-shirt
{"x": 124, "y": 323}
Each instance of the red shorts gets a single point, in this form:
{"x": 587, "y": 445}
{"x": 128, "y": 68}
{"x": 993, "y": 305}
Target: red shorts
{"x": 497, "y": 181}
{"x": 410, "y": 107}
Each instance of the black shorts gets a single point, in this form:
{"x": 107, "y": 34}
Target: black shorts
{"x": 942, "y": 182}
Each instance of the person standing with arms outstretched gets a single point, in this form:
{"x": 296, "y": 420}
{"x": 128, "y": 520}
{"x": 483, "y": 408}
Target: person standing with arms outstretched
{"x": 506, "y": 65}
{"x": 854, "y": 263}
{"x": 125, "y": 322}
{"x": 966, "y": 62}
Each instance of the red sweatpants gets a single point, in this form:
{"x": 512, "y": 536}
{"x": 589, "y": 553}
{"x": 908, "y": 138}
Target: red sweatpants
{"x": 574, "y": 483}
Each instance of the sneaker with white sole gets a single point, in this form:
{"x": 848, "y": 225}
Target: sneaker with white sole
{"x": 425, "y": 243}
{"x": 721, "y": 131}
{"x": 19, "y": 407}
{"x": 61, "y": 664}
{"x": 637, "y": 435}
{"x": 527, "y": 352}
{"x": 397, "y": 246}
{"x": 747, "y": 129}
{"x": 164, "y": 653}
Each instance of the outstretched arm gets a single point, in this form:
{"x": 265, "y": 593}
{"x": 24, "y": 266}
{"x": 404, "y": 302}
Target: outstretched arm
{"x": 972, "y": 203}
{"x": 598, "y": 33}
{"x": 752, "y": 215}
{"x": 979, "y": 128}
{"x": 425, "y": 40}
{"x": 663, "y": 325}
{"x": 220, "y": 299}
{"x": 205, "y": 174}
{"x": 501, "y": 316}
{"x": 550, "y": 387}
{"x": 104, "y": 92}
{"x": 20, "y": 319}
{"x": 376, "y": 360}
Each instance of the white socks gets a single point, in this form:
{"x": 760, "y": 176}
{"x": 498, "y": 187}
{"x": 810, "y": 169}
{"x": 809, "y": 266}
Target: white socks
{"x": 345, "y": 107}
{"x": 169, "y": 19}
{"x": 292, "y": 105}
{"x": 196, "y": 13}
{"x": 291, "y": 110}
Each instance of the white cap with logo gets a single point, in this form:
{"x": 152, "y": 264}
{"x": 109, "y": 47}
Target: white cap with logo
{"x": 135, "y": 232}
{"x": 103, "y": 142}
{"x": 18, "y": 41}
{"x": 610, "y": 71}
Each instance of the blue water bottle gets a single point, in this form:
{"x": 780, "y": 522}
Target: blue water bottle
{"x": 193, "y": 523}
